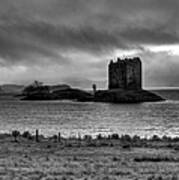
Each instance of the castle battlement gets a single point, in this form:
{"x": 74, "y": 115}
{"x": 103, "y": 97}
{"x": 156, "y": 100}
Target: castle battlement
{"x": 125, "y": 74}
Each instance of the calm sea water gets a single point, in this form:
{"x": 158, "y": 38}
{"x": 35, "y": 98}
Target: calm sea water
{"x": 73, "y": 118}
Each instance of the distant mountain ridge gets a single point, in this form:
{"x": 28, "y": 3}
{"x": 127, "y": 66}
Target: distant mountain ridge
{"x": 11, "y": 89}
{"x": 170, "y": 94}
{"x": 17, "y": 89}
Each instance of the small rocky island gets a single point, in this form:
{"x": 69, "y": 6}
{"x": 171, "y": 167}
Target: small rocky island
{"x": 124, "y": 86}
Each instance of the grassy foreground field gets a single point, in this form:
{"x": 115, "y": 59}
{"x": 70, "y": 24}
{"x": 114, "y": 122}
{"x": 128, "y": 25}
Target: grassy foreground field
{"x": 101, "y": 158}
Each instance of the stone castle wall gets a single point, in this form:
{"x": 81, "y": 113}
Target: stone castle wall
{"x": 125, "y": 74}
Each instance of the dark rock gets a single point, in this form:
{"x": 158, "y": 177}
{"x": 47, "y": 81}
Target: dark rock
{"x": 64, "y": 94}
{"x": 126, "y": 96}
{"x": 73, "y": 94}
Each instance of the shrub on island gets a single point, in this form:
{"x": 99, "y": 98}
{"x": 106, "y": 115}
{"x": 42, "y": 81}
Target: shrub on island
{"x": 15, "y": 134}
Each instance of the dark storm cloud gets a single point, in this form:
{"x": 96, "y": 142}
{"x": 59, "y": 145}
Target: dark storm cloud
{"x": 156, "y": 36}
{"x": 19, "y": 40}
{"x": 52, "y": 31}
{"x": 40, "y": 26}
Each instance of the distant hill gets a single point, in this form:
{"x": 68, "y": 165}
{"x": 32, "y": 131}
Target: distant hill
{"x": 11, "y": 89}
{"x": 170, "y": 94}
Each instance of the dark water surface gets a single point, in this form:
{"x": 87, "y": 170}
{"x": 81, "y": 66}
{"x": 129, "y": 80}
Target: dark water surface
{"x": 73, "y": 118}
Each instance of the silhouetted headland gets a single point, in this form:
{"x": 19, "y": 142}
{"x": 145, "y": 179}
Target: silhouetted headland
{"x": 124, "y": 86}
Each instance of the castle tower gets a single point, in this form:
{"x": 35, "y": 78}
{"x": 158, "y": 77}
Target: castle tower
{"x": 125, "y": 74}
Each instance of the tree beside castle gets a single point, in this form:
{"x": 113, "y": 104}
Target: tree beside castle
{"x": 36, "y": 87}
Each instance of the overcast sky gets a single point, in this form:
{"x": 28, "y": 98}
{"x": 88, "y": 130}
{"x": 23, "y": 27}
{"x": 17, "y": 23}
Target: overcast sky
{"x": 72, "y": 41}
